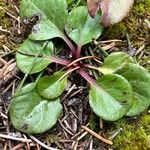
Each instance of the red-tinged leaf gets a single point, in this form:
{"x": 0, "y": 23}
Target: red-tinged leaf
{"x": 93, "y": 7}
{"x": 113, "y": 11}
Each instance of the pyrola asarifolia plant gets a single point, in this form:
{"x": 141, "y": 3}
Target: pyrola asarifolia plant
{"x": 122, "y": 87}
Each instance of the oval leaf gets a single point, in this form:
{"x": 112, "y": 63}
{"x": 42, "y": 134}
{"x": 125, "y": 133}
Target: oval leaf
{"x": 33, "y": 114}
{"x": 115, "y": 61}
{"x": 52, "y": 17}
{"x": 51, "y": 87}
{"x": 112, "y": 98}
{"x": 81, "y": 28}
{"x": 33, "y": 64}
{"x": 113, "y": 11}
{"x": 139, "y": 78}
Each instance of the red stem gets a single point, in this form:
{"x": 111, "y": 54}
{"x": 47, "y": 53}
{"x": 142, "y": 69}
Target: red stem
{"x": 81, "y": 58}
{"x": 69, "y": 71}
{"x": 78, "y": 53}
{"x": 71, "y": 46}
{"x": 87, "y": 77}
{"x": 59, "y": 60}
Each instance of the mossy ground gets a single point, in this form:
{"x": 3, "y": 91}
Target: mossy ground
{"x": 136, "y": 24}
{"x": 9, "y": 25}
{"x": 135, "y": 134}
{"x": 4, "y": 21}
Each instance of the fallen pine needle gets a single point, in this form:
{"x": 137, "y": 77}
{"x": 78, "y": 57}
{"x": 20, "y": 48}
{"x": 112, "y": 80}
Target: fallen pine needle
{"x": 83, "y": 135}
{"x": 97, "y": 135}
{"x": 19, "y": 146}
{"x": 42, "y": 144}
{"x": 15, "y": 138}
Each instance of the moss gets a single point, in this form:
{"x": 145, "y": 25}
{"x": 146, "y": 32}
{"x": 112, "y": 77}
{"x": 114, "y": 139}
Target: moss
{"x": 137, "y": 28}
{"x": 134, "y": 24}
{"x": 4, "y": 21}
{"x": 135, "y": 134}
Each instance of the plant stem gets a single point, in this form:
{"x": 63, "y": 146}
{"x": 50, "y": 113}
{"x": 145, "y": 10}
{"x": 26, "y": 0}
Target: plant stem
{"x": 78, "y": 53}
{"x": 90, "y": 62}
{"x": 69, "y": 71}
{"x": 21, "y": 84}
{"x": 103, "y": 51}
{"x": 87, "y": 77}
{"x": 71, "y": 46}
{"x": 59, "y": 60}
{"x": 82, "y": 58}
{"x": 38, "y": 77}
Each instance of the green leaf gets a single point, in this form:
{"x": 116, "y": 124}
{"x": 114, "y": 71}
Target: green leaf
{"x": 50, "y": 87}
{"x": 33, "y": 64}
{"x": 112, "y": 99}
{"x": 33, "y": 114}
{"x": 81, "y": 28}
{"x": 115, "y": 61}
{"x": 53, "y": 15}
{"x": 139, "y": 78}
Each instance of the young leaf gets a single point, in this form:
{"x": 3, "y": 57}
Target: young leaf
{"x": 52, "y": 17}
{"x": 115, "y": 61}
{"x": 112, "y": 99}
{"x": 139, "y": 78}
{"x": 113, "y": 11}
{"x": 33, "y": 114}
{"x": 81, "y": 28}
{"x": 50, "y": 87}
{"x": 33, "y": 64}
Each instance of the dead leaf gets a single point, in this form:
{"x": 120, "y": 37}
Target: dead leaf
{"x": 113, "y": 11}
{"x": 93, "y": 7}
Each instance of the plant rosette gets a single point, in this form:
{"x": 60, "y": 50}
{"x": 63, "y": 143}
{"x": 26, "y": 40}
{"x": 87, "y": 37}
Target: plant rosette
{"x": 122, "y": 87}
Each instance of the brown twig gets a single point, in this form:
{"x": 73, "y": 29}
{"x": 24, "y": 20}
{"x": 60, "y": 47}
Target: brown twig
{"x": 97, "y": 135}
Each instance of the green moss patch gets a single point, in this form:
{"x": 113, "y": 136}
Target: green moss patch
{"x": 4, "y": 21}
{"x": 135, "y": 134}
{"x": 134, "y": 24}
